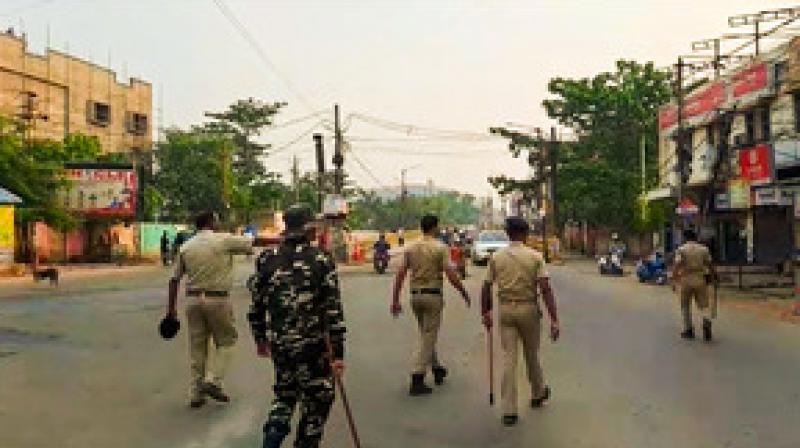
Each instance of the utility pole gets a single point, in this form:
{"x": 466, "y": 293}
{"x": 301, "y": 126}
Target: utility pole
{"x": 296, "y": 179}
{"x": 680, "y": 139}
{"x": 318, "y": 142}
{"x": 338, "y": 157}
{"x": 553, "y": 156}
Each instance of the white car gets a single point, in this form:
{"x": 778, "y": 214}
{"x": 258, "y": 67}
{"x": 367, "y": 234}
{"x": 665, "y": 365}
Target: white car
{"x": 487, "y": 243}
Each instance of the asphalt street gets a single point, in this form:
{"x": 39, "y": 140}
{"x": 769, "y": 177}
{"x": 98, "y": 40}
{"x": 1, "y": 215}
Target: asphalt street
{"x": 81, "y": 365}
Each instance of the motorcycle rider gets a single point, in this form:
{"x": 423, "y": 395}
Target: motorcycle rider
{"x": 381, "y": 248}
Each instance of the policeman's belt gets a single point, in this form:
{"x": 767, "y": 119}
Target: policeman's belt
{"x": 431, "y": 291}
{"x": 533, "y": 301}
{"x": 200, "y": 292}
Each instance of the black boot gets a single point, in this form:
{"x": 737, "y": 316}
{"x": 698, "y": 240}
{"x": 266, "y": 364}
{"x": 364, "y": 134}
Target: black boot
{"x": 274, "y": 435}
{"x": 510, "y": 419}
{"x": 539, "y": 402}
{"x": 439, "y": 374}
{"x": 707, "y": 330}
{"x": 418, "y": 386}
{"x": 688, "y": 334}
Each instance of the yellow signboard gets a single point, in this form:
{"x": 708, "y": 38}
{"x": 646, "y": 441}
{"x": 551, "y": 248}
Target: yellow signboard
{"x": 6, "y": 233}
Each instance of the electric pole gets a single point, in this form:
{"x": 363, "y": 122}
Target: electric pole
{"x": 338, "y": 157}
{"x": 318, "y": 142}
{"x": 296, "y": 179}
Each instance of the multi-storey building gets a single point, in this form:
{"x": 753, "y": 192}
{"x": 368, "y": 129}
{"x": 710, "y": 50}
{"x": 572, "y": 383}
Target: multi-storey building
{"x": 741, "y": 195}
{"x": 59, "y": 94}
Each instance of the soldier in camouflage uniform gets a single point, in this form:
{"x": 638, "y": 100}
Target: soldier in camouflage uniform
{"x": 295, "y": 317}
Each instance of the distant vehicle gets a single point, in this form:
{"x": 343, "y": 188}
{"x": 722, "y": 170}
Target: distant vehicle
{"x": 652, "y": 270}
{"x": 611, "y": 264}
{"x": 487, "y": 243}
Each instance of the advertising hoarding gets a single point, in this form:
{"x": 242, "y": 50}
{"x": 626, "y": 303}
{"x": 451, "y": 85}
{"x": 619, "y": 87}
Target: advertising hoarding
{"x": 755, "y": 164}
{"x": 100, "y": 191}
{"x": 6, "y": 234}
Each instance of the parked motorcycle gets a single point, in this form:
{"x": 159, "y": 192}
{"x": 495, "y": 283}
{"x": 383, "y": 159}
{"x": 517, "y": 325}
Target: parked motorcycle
{"x": 611, "y": 264}
{"x": 653, "y": 270}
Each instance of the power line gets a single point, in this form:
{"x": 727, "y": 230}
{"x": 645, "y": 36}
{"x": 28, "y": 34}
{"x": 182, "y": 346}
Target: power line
{"x": 410, "y": 129}
{"x": 294, "y": 141}
{"x": 293, "y": 121}
{"x": 367, "y": 170}
{"x": 262, "y": 54}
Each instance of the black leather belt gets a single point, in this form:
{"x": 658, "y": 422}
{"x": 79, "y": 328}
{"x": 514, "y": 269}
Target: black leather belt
{"x": 199, "y": 292}
{"x": 432, "y": 291}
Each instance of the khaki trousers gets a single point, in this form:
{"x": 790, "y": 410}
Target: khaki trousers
{"x": 520, "y": 322}
{"x": 427, "y": 309}
{"x": 210, "y": 320}
{"x": 694, "y": 288}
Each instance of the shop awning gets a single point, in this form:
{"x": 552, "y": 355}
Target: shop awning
{"x": 7, "y": 197}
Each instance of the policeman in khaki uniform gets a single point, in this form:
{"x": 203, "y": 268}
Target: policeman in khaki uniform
{"x": 427, "y": 260}
{"x": 693, "y": 269}
{"x": 207, "y": 262}
{"x": 520, "y": 275}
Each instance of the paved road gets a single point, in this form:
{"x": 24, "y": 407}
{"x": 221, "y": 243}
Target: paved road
{"x": 82, "y": 366}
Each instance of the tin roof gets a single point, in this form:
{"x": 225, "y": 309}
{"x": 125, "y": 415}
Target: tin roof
{"x": 7, "y": 197}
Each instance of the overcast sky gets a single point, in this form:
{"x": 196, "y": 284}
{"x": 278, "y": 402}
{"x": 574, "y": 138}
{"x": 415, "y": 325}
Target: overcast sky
{"x": 444, "y": 64}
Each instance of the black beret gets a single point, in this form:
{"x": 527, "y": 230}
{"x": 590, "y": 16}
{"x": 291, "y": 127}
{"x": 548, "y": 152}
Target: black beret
{"x": 515, "y": 224}
{"x": 296, "y": 217}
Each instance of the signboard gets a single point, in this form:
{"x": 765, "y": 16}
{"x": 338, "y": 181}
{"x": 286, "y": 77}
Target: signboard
{"x": 6, "y": 234}
{"x": 722, "y": 201}
{"x": 100, "y": 191}
{"x": 739, "y": 194}
{"x": 787, "y": 153}
{"x": 755, "y": 164}
{"x": 334, "y": 206}
{"x": 703, "y": 159}
{"x": 697, "y": 108}
{"x": 772, "y": 196}
{"x": 751, "y": 83}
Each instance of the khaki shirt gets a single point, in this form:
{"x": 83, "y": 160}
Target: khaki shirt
{"x": 515, "y": 269}
{"x": 427, "y": 260}
{"x": 207, "y": 260}
{"x": 694, "y": 258}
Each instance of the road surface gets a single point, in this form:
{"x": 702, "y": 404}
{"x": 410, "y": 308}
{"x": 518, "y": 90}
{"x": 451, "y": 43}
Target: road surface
{"x": 82, "y": 366}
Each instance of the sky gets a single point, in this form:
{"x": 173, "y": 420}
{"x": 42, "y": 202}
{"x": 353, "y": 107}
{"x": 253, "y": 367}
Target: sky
{"x": 460, "y": 65}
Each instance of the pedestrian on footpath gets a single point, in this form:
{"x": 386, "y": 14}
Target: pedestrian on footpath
{"x": 207, "y": 262}
{"x": 693, "y": 271}
{"x": 164, "y": 249}
{"x": 427, "y": 260}
{"x": 521, "y": 277}
{"x": 296, "y": 318}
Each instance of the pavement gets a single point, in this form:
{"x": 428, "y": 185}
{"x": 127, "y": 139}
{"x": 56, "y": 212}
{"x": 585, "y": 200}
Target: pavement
{"x": 82, "y": 366}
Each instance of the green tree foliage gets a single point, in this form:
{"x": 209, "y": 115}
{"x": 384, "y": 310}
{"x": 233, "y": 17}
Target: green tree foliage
{"x": 252, "y": 186}
{"x": 599, "y": 176}
{"x": 193, "y": 175}
{"x": 371, "y": 212}
{"x": 26, "y": 171}
{"x": 243, "y": 121}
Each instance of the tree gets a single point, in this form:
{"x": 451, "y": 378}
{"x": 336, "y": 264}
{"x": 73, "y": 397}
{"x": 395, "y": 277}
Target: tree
{"x": 371, "y": 212}
{"x": 193, "y": 174}
{"x": 599, "y": 177}
{"x": 243, "y": 121}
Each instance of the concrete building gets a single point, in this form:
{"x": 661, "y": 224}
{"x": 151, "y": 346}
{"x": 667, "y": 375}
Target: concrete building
{"x": 745, "y": 195}
{"x": 60, "y": 94}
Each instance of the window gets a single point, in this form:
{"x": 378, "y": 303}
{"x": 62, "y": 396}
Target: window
{"x": 780, "y": 75}
{"x": 750, "y": 126}
{"x": 98, "y": 114}
{"x": 766, "y": 128}
{"x": 136, "y": 123}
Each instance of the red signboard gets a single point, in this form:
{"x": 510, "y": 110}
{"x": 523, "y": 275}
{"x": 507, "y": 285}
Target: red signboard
{"x": 755, "y": 164}
{"x": 695, "y": 107}
{"x": 750, "y": 80}
{"x": 709, "y": 99}
{"x": 100, "y": 191}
